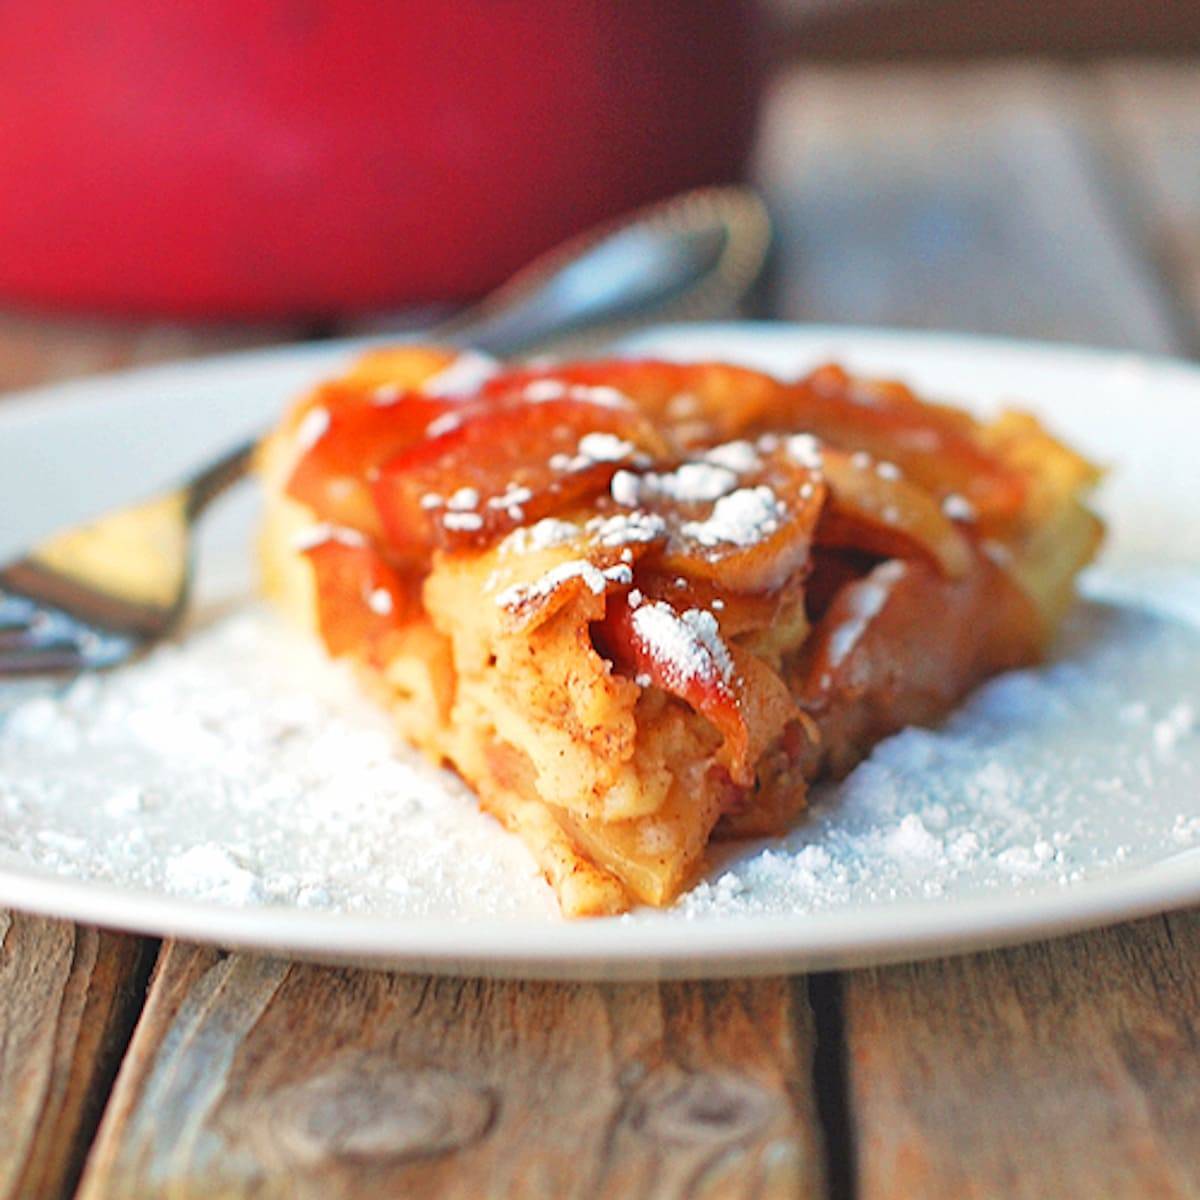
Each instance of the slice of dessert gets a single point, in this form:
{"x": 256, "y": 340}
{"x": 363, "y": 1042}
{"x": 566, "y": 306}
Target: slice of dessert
{"x": 639, "y": 605}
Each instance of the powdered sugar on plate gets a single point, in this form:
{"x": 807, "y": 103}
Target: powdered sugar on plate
{"x": 242, "y": 769}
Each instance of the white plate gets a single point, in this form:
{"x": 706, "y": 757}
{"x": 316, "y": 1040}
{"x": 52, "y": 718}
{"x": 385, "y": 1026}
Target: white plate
{"x": 1084, "y": 807}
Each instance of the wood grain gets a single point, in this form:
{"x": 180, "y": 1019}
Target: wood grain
{"x": 1062, "y": 1069}
{"x": 68, "y": 1000}
{"x": 1155, "y": 117}
{"x": 951, "y": 198}
{"x": 249, "y": 1076}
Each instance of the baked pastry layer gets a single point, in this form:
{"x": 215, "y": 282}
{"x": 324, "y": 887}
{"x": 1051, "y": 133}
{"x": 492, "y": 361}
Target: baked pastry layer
{"x": 641, "y": 605}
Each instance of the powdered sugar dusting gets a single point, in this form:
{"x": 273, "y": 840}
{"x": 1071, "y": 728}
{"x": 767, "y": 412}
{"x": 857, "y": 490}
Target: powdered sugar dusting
{"x": 312, "y": 428}
{"x": 702, "y": 625}
{"x": 545, "y": 391}
{"x": 469, "y": 371}
{"x": 548, "y": 532}
{"x": 542, "y": 391}
{"x": 958, "y": 508}
{"x": 689, "y": 483}
{"x": 626, "y": 529}
{"x": 626, "y": 489}
{"x": 743, "y": 518}
{"x": 315, "y": 535}
{"x": 805, "y": 449}
{"x": 462, "y": 522}
{"x": 604, "y": 447}
{"x": 737, "y": 456}
{"x": 595, "y": 579}
{"x": 463, "y": 500}
{"x": 695, "y": 482}
{"x": 686, "y": 646}
{"x": 379, "y": 600}
{"x": 447, "y": 422}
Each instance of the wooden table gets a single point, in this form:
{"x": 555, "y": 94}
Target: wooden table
{"x": 1030, "y": 200}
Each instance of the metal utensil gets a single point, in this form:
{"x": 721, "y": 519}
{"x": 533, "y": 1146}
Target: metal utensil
{"x": 94, "y": 595}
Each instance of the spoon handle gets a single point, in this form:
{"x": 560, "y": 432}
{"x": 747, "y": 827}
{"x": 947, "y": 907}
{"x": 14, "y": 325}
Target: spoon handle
{"x": 696, "y": 254}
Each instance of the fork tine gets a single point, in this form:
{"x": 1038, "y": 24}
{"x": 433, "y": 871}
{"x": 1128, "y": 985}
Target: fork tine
{"x": 45, "y": 632}
{"x": 26, "y": 637}
{"x": 42, "y": 660}
{"x": 43, "y": 626}
{"x": 16, "y": 612}
{"x": 42, "y": 640}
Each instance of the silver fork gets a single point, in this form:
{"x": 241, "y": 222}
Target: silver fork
{"x": 95, "y": 595}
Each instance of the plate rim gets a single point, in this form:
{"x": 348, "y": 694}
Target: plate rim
{"x": 707, "y": 947}
{"x": 712, "y": 947}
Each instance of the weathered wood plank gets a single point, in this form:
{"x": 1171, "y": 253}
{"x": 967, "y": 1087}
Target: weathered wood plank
{"x": 1155, "y": 109}
{"x": 38, "y": 348}
{"x": 1062, "y": 1069}
{"x": 952, "y": 198}
{"x": 68, "y": 999}
{"x": 249, "y": 1076}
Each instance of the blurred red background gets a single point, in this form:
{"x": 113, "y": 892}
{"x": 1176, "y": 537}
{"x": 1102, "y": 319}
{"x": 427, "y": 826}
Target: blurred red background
{"x": 310, "y": 158}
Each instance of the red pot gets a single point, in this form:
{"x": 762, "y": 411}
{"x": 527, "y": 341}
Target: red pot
{"x": 308, "y": 157}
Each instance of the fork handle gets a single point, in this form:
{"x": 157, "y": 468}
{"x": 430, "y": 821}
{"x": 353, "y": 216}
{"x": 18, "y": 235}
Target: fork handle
{"x": 203, "y": 488}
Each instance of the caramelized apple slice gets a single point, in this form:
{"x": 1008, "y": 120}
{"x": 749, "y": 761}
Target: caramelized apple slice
{"x": 563, "y": 578}
{"x": 740, "y": 519}
{"x": 681, "y": 652}
{"x": 360, "y": 598}
{"x": 501, "y": 463}
{"x": 901, "y": 645}
{"x": 873, "y": 508}
{"x": 752, "y": 540}
{"x": 938, "y": 448}
{"x": 702, "y": 402}
{"x": 344, "y": 436}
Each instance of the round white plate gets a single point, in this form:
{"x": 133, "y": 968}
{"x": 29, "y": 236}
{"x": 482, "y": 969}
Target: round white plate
{"x": 1058, "y": 799}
